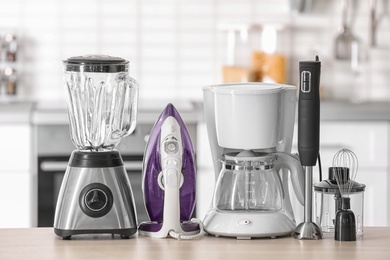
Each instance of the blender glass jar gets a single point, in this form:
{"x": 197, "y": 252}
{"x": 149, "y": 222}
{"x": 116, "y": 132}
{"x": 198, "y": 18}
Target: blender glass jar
{"x": 102, "y": 101}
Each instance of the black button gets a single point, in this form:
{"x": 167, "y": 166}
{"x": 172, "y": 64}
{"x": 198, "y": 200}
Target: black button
{"x": 96, "y": 200}
{"x": 306, "y": 81}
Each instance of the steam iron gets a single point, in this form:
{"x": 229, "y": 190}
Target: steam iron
{"x": 168, "y": 180}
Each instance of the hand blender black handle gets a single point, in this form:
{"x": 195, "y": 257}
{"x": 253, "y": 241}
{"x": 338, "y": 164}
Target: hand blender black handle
{"x": 309, "y": 112}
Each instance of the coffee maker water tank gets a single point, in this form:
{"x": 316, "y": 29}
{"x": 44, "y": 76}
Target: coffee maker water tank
{"x": 254, "y": 116}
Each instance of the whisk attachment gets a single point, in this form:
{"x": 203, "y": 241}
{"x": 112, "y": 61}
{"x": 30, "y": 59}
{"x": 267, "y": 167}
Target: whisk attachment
{"x": 345, "y": 165}
{"x": 344, "y": 170}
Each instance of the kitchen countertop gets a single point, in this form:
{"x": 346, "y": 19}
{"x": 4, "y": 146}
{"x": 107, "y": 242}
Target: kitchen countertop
{"x": 42, "y": 243}
{"x": 15, "y": 112}
{"x": 369, "y": 111}
{"x": 148, "y": 110}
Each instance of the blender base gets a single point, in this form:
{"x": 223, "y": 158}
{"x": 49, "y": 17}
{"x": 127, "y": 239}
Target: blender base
{"x": 245, "y": 225}
{"x": 97, "y": 199}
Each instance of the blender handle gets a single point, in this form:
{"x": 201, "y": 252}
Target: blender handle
{"x": 293, "y": 164}
{"x": 133, "y": 86}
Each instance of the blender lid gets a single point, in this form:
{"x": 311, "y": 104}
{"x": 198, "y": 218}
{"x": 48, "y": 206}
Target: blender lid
{"x": 331, "y": 186}
{"x": 328, "y": 186}
{"x": 249, "y": 88}
{"x": 96, "y": 63}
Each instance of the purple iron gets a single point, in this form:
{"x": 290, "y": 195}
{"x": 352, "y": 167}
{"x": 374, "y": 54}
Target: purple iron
{"x": 168, "y": 179}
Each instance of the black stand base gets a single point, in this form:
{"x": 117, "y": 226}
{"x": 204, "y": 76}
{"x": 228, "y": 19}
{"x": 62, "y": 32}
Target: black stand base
{"x": 66, "y": 234}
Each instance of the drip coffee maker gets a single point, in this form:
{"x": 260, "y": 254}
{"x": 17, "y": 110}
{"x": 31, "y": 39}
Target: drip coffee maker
{"x": 95, "y": 195}
{"x": 250, "y": 128}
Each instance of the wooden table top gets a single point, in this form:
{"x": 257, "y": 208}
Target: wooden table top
{"x": 42, "y": 243}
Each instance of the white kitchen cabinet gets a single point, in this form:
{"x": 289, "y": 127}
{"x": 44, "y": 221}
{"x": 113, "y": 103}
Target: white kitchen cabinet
{"x": 369, "y": 140}
{"x": 16, "y": 206}
{"x": 15, "y": 149}
{"x": 15, "y": 175}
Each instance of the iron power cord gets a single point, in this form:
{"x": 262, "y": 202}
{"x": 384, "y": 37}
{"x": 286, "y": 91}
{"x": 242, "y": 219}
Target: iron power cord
{"x": 180, "y": 236}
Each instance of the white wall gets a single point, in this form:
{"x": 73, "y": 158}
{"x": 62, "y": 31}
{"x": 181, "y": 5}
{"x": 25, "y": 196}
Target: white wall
{"x": 175, "y": 47}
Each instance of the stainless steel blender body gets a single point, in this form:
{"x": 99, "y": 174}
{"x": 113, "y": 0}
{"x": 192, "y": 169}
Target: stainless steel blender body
{"x": 95, "y": 195}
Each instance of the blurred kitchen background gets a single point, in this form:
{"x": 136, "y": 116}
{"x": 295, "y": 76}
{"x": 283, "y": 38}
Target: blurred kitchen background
{"x": 176, "y": 47}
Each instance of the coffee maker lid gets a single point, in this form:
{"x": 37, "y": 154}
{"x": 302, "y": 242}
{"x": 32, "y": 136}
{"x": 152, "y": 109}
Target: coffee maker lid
{"x": 96, "y": 63}
{"x": 249, "y": 88}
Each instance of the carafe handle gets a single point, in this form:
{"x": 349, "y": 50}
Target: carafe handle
{"x": 129, "y": 123}
{"x": 293, "y": 164}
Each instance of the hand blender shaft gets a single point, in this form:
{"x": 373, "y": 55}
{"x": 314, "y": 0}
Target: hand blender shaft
{"x": 308, "y": 139}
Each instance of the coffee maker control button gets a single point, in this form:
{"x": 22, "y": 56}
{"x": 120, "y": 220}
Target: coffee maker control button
{"x": 244, "y": 222}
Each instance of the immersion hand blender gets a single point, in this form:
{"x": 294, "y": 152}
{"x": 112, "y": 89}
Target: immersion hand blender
{"x": 309, "y": 139}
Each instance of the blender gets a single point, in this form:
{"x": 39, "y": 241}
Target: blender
{"x": 250, "y": 128}
{"x": 95, "y": 195}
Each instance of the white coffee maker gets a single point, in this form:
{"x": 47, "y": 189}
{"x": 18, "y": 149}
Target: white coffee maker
{"x": 250, "y": 128}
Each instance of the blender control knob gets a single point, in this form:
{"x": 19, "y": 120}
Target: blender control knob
{"x": 96, "y": 200}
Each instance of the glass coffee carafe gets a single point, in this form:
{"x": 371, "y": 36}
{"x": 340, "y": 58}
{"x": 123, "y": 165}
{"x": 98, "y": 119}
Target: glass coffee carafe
{"x": 250, "y": 181}
{"x": 102, "y": 101}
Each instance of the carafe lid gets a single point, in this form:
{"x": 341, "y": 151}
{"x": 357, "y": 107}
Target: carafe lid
{"x": 96, "y": 63}
{"x": 248, "y": 160}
